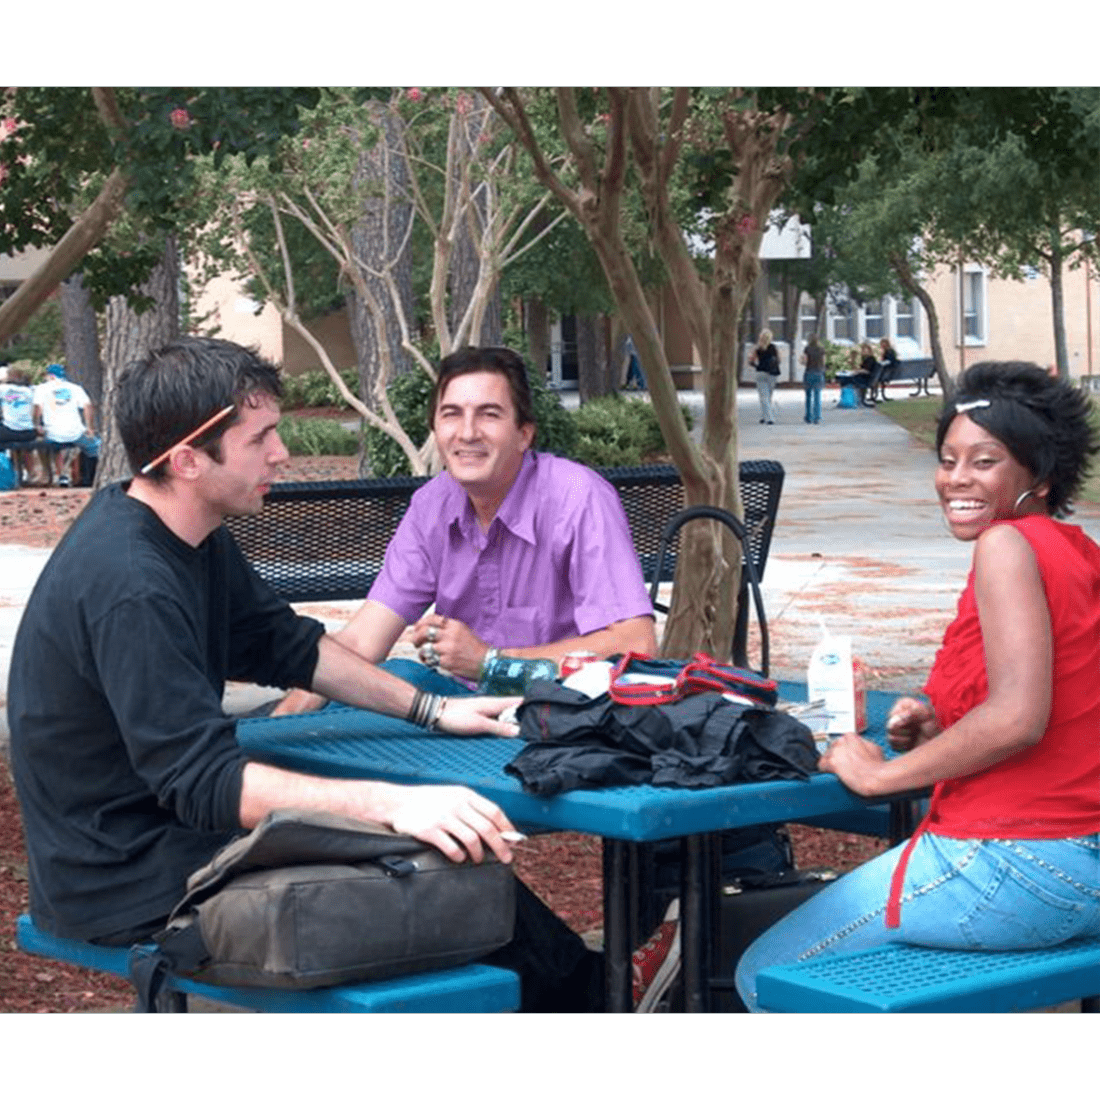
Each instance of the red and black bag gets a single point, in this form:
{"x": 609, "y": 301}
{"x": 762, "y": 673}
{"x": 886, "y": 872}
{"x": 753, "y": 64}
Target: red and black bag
{"x": 646, "y": 681}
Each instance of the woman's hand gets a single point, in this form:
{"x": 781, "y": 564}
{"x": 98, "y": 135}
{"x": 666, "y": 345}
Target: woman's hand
{"x": 911, "y": 723}
{"x": 856, "y": 762}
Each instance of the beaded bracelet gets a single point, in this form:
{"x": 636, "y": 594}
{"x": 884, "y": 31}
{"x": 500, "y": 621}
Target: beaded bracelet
{"x": 426, "y": 709}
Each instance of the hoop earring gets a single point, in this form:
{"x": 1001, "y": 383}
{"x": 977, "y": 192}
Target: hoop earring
{"x": 1021, "y": 498}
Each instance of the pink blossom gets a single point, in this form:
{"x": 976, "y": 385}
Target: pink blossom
{"x": 179, "y": 118}
{"x": 463, "y": 103}
{"x": 305, "y": 143}
{"x": 415, "y": 94}
{"x": 746, "y": 225}
{"x": 9, "y": 125}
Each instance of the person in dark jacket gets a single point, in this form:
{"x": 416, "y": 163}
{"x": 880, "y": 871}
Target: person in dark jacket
{"x": 126, "y": 766}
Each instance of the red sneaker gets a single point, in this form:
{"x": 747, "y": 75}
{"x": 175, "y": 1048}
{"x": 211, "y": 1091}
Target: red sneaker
{"x": 657, "y": 962}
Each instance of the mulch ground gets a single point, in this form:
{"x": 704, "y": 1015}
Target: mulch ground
{"x": 562, "y": 868}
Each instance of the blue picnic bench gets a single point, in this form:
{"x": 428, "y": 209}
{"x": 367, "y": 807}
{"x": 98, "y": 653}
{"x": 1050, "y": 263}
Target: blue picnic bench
{"x": 475, "y": 987}
{"x": 903, "y": 978}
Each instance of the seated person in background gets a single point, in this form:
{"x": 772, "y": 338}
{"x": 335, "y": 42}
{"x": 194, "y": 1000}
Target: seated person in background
{"x": 127, "y": 768}
{"x": 888, "y": 365}
{"x": 523, "y": 554}
{"x": 65, "y": 415}
{"x": 1008, "y": 856}
{"x": 17, "y": 419}
{"x": 870, "y": 369}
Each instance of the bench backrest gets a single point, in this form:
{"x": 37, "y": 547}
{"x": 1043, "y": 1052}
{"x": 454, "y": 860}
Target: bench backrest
{"x": 325, "y": 540}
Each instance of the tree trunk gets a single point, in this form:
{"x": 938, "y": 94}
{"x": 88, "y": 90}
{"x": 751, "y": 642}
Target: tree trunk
{"x": 83, "y": 235}
{"x": 1057, "y": 305}
{"x": 595, "y": 376}
{"x": 82, "y": 337}
{"x": 378, "y": 241}
{"x": 792, "y": 295}
{"x": 905, "y": 275}
{"x": 465, "y": 269}
{"x": 132, "y": 335}
{"x": 536, "y": 322}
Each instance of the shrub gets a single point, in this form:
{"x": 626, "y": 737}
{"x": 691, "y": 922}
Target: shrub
{"x": 308, "y": 435}
{"x": 408, "y": 394}
{"x": 836, "y": 359}
{"x": 614, "y": 431}
{"x": 313, "y": 389}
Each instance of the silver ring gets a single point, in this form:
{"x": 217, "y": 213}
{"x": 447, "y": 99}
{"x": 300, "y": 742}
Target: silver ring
{"x": 429, "y": 656}
{"x": 433, "y": 633}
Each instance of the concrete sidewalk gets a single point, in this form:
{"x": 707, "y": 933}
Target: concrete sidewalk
{"x": 859, "y": 544}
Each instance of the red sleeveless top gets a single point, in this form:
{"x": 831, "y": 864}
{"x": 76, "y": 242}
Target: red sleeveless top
{"x": 1052, "y": 789}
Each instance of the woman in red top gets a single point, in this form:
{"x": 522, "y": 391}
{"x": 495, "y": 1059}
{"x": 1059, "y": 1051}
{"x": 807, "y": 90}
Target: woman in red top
{"x": 1008, "y": 855}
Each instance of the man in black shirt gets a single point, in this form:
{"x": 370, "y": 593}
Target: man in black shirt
{"x": 127, "y": 768}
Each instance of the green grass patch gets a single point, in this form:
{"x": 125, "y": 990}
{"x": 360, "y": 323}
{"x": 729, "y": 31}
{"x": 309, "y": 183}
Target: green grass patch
{"x": 919, "y": 416}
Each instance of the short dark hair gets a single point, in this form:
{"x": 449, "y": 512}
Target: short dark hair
{"x": 501, "y": 361}
{"x": 1042, "y": 420}
{"x": 165, "y": 396}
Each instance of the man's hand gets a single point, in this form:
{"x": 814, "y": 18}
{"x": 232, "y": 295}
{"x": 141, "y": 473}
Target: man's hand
{"x": 456, "y": 820}
{"x": 298, "y": 701}
{"x": 856, "y": 762}
{"x": 911, "y": 722}
{"x": 449, "y": 645}
{"x": 471, "y": 714}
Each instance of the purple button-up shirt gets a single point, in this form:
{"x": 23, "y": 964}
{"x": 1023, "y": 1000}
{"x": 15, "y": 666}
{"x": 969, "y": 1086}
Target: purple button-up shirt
{"x": 558, "y": 559}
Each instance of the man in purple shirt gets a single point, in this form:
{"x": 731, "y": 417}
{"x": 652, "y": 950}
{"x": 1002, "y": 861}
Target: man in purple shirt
{"x": 523, "y": 554}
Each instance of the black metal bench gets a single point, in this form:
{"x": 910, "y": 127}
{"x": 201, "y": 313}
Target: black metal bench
{"x": 325, "y": 540}
{"x": 911, "y": 370}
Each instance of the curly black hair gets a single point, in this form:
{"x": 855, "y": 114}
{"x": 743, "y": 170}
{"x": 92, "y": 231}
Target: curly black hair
{"x": 1042, "y": 420}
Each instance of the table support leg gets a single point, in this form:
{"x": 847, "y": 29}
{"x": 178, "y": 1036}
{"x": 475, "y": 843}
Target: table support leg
{"x": 696, "y": 924}
{"x": 616, "y": 926}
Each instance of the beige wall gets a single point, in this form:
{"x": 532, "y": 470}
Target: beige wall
{"x": 223, "y": 309}
{"x": 1020, "y": 320}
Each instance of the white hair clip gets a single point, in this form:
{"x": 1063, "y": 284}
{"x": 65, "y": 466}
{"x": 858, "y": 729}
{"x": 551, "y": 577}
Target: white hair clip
{"x": 966, "y": 406}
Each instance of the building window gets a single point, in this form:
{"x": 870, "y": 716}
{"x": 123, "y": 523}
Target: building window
{"x": 873, "y": 319}
{"x": 807, "y": 318}
{"x": 905, "y": 319}
{"x": 844, "y": 322}
{"x": 975, "y": 321}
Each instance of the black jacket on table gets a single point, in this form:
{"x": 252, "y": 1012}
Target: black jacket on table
{"x": 126, "y": 766}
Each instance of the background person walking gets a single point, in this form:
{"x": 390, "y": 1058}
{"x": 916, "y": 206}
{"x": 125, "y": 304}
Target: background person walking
{"x": 765, "y": 358}
{"x": 813, "y": 379}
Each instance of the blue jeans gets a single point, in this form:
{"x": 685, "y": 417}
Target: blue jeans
{"x": 813, "y": 380}
{"x": 994, "y": 895}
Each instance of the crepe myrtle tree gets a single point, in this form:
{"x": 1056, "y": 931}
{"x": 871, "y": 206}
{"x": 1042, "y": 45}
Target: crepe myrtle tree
{"x": 663, "y": 142}
{"x": 73, "y": 159}
{"x": 457, "y": 173}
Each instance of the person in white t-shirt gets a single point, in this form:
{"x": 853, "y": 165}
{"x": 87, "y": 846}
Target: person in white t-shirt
{"x": 64, "y": 411}
{"x": 17, "y": 420}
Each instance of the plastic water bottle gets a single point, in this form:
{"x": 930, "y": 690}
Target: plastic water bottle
{"x": 513, "y": 675}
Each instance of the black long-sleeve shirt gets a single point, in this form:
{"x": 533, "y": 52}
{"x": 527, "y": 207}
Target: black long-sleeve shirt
{"x": 126, "y": 766}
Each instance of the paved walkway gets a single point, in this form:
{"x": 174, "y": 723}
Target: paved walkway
{"x": 859, "y": 544}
